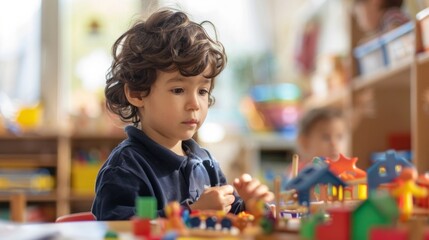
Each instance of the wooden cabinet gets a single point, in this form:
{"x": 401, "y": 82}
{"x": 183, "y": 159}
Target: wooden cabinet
{"x": 55, "y": 154}
{"x": 393, "y": 101}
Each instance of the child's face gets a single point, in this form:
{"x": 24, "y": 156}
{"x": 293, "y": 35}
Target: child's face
{"x": 175, "y": 108}
{"x": 326, "y": 139}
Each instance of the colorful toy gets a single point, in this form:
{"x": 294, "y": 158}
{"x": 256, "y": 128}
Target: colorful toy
{"x": 338, "y": 227}
{"x": 146, "y": 211}
{"x": 386, "y": 170}
{"x": 309, "y": 177}
{"x": 406, "y": 190}
{"x": 174, "y": 219}
{"x": 345, "y": 168}
{"x": 379, "y": 209}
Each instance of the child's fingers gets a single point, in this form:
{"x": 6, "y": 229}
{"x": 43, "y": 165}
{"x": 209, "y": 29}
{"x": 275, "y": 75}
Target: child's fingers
{"x": 229, "y": 199}
{"x": 246, "y": 177}
{"x": 253, "y": 185}
{"x": 226, "y": 189}
{"x": 268, "y": 197}
{"x": 259, "y": 191}
{"x": 240, "y": 182}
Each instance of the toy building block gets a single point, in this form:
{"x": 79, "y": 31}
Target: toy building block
{"x": 111, "y": 235}
{"x": 174, "y": 220}
{"x": 309, "y": 177}
{"x": 385, "y": 170}
{"x": 390, "y": 233}
{"x": 406, "y": 191}
{"x": 146, "y": 211}
{"x": 309, "y": 224}
{"x": 345, "y": 168}
{"x": 295, "y": 164}
{"x": 377, "y": 210}
{"x": 423, "y": 181}
{"x": 338, "y": 228}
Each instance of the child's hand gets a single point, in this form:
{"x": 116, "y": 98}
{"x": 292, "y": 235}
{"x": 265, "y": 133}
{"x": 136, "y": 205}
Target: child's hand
{"x": 215, "y": 198}
{"x": 249, "y": 188}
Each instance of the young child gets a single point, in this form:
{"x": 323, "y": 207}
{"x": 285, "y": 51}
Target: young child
{"x": 161, "y": 80}
{"x": 379, "y": 16}
{"x": 322, "y": 133}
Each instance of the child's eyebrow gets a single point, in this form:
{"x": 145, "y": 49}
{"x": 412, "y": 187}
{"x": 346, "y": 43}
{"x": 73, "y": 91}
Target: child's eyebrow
{"x": 182, "y": 79}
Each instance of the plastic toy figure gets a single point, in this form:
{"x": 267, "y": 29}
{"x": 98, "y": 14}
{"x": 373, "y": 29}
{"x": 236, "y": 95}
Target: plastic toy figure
{"x": 406, "y": 190}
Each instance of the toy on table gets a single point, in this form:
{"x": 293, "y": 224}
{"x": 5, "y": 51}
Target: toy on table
{"x": 311, "y": 176}
{"x": 349, "y": 222}
{"x": 406, "y": 190}
{"x": 111, "y": 235}
{"x": 346, "y": 169}
{"x": 386, "y": 170}
{"x": 146, "y": 211}
{"x": 174, "y": 220}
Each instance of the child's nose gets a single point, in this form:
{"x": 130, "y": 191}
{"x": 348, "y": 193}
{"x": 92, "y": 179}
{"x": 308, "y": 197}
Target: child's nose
{"x": 193, "y": 103}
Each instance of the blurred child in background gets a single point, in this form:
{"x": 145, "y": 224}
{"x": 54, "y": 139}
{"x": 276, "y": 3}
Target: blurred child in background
{"x": 322, "y": 133}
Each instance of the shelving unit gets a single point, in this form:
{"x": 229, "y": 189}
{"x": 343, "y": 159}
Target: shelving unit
{"x": 268, "y": 152}
{"x": 393, "y": 100}
{"x": 55, "y": 153}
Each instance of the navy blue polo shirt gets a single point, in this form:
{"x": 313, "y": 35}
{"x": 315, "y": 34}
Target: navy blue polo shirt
{"x": 141, "y": 167}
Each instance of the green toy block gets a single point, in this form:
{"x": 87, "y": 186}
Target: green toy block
{"x": 308, "y": 226}
{"x": 146, "y": 207}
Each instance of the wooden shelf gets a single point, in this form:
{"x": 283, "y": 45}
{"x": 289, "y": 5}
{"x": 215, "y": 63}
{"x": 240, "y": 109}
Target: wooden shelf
{"x": 27, "y": 160}
{"x": 391, "y": 77}
{"x": 422, "y": 57}
{"x": 82, "y": 197}
{"x": 31, "y": 197}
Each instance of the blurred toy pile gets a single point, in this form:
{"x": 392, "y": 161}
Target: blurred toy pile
{"x": 272, "y": 107}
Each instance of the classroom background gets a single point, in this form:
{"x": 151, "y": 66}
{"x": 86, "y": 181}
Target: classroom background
{"x": 284, "y": 58}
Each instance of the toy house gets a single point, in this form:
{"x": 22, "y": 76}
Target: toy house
{"x": 339, "y": 226}
{"x": 377, "y": 210}
{"x": 385, "y": 170}
{"x": 311, "y": 176}
{"x": 346, "y": 169}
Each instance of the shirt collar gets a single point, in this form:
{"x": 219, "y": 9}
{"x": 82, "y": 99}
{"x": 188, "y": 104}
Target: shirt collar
{"x": 160, "y": 153}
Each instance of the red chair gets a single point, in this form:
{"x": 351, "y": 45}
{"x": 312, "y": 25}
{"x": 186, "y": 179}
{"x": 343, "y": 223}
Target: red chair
{"x": 76, "y": 217}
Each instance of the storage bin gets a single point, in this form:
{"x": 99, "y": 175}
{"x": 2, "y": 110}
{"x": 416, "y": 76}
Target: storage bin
{"x": 371, "y": 56}
{"x": 83, "y": 177}
{"x": 399, "y": 44}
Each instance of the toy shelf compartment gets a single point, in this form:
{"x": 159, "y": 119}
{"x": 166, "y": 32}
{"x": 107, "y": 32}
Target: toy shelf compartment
{"x": 389, "y": 49}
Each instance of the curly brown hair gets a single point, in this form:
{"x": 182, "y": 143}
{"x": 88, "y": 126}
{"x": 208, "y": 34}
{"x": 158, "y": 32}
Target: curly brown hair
{"x": 167, "y": 41}
{"x": 316, "y": 115}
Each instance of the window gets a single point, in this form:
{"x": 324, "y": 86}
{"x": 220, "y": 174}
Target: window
{"x": 19, "y": 55}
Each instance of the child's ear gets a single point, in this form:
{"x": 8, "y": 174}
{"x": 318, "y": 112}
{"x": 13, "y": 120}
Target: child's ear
{"x": 133, "y": 97}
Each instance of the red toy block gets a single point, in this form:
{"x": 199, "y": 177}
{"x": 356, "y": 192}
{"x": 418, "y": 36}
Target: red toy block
{"x": 383, "y": 233}
{"x": 339, "y": 226}
{"x": 141, "y": 227}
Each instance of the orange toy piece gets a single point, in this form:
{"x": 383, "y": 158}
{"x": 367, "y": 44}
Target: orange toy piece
{"x": 406, "y": 190}
{"x": 174, "y": 220}
{"x": 345, "y": 168}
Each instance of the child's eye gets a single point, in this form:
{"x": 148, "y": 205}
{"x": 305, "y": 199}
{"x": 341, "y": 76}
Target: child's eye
{"x": 203, "y": 92}
{"x": 177, "y": 90}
